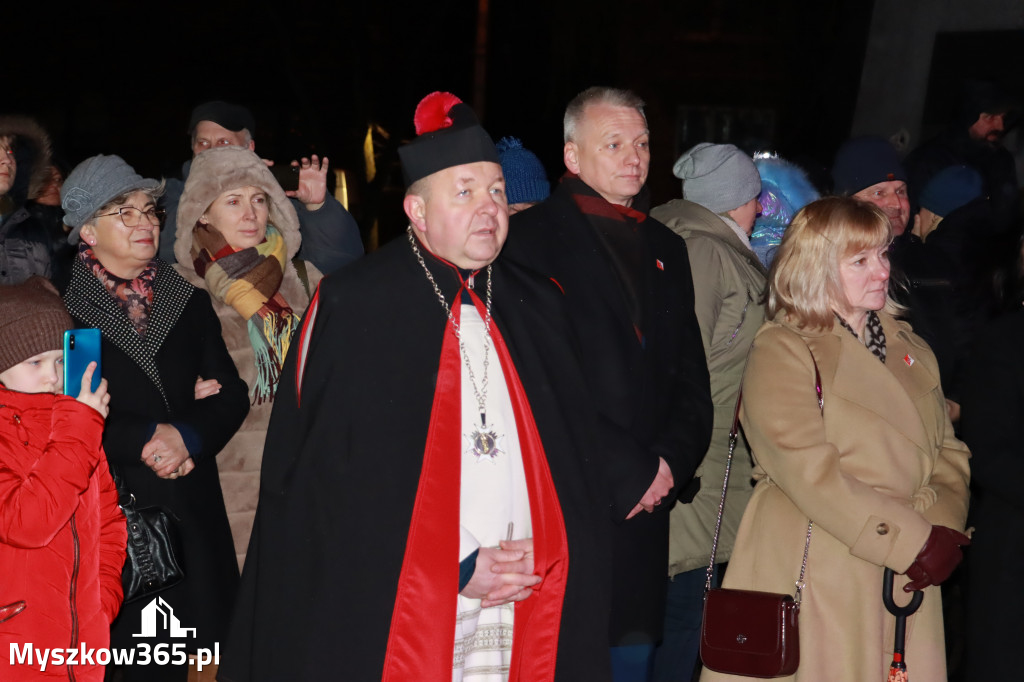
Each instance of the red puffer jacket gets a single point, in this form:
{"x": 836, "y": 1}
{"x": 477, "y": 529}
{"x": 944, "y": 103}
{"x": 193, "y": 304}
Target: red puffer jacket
{"x": 62, "y": 535}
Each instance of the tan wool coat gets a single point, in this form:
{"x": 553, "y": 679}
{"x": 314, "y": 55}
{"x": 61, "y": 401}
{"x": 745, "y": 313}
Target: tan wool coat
{"x": 214, "y": 172}
{"x": 874, "y": 474}
{"x": 728, "y": 285}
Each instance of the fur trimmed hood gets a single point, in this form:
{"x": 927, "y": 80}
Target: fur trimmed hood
{"x": 218, "y": 170}
{"x": 32, "y": 152}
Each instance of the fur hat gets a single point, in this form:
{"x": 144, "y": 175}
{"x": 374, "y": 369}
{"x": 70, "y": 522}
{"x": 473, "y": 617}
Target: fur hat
{"x": 865, "y": 161}
{"x": 525, "y": 179}
{"x": 33, "y": 320}
{"x": 719, "y": 177}
{"x": 92, "y": 184}
{"x": 32, "y": 152}
{"x": 218, "y": 170}
{"x": 449, "y": 135}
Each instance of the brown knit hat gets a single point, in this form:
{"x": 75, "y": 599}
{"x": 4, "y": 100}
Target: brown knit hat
{"x": 32, "y": 321}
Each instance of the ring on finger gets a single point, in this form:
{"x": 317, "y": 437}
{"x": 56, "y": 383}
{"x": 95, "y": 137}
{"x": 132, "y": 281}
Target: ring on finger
{"x": 156, "y": 459}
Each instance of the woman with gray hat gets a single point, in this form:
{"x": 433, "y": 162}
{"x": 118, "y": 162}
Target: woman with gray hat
{"x": 721, "y": 187}
{"x": 237, "y": 238}
{"x": 160, "y": 337}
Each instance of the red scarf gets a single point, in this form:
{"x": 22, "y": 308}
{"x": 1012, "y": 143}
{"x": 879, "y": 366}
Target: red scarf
{"x": 429, "y": 580}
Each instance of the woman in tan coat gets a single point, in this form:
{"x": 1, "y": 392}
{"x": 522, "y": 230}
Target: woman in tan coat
{"x": 237, "y": 238}
{"x": 878, "y": 471}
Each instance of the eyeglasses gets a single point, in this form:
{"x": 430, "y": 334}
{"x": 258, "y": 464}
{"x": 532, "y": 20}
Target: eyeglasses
{"x": 132, "y": 217}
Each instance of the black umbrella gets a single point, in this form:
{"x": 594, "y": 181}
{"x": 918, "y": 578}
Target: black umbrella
{"x": 898, "y": 669}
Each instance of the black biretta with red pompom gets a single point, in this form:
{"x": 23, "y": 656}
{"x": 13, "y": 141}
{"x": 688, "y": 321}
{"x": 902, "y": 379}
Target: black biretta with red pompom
{"x": 449, "y": 135}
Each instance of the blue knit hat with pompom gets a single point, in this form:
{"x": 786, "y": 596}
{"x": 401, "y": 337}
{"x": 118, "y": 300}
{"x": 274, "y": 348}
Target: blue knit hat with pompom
{"x": 525, "y": 179}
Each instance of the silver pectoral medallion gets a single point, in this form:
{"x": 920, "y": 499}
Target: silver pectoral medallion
{"x": 483, "y": 443}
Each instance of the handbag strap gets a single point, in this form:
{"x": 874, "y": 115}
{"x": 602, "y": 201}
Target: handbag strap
{"x": 733, "y": 438}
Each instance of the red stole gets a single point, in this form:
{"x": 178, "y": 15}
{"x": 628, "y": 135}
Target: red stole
{"x": 422, "y": 637}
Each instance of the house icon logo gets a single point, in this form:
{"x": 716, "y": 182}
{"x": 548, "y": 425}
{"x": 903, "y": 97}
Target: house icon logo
{"x": 159, "y": 616}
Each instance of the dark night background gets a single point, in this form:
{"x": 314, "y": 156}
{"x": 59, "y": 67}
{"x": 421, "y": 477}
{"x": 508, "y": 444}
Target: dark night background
{"x": 122, "y": 77}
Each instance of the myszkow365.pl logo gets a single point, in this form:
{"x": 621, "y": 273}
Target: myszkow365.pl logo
{"x": 157, "y": 618}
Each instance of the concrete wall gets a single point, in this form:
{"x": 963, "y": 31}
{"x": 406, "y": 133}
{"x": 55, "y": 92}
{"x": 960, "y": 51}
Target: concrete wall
{"x": 894, "y": 81}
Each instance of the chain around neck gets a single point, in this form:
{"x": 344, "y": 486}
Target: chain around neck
{"x": 480, "y": 393}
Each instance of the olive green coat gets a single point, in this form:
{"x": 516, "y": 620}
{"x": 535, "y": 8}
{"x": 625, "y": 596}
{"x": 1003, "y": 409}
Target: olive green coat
{"x": 728, "y": 283}
{"x": 874, "y": 474}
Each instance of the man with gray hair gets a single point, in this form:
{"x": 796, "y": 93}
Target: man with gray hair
{"x": 627, "y": 283}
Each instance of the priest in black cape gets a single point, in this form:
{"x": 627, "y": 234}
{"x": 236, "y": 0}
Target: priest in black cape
{"x": 362, "y": 557}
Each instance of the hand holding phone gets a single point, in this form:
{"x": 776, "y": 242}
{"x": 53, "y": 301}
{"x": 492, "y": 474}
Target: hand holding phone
{"x": 286, "y": 175}
{"x": 99, "y": 399}
{"x": 81, "y": 347}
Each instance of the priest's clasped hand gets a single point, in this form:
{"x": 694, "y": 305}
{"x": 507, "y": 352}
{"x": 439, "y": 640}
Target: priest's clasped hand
{"x": 503, "y": 574}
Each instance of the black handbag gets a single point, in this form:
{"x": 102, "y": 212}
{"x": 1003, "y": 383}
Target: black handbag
{"x": 746, "y": 632}
{"x": 154, "y": 547}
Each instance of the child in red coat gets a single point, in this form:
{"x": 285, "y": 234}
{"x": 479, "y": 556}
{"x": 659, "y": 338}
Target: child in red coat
{"x": 62, "y": 534}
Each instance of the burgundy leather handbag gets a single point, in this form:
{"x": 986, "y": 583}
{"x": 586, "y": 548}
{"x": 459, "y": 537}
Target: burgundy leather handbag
{"x": 745, "y": 632}
{"x": 750, "y": 633}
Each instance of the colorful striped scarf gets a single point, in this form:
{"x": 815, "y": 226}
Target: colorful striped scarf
{"x": 249, "y": 280}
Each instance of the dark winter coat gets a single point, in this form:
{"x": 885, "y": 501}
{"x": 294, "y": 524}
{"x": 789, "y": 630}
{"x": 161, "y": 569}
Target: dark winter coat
{"x": 992, "y": 424}
{"x": 27, "y": 246}
{"x": 341, "y": 475}
{"x": 654, "y": 400}
{"x": 62, "y": 535}
{"x": 153, "y": 382}
{"x": 994, "y": 163}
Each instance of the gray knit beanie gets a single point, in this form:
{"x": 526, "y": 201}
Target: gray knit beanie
{"x": 93, "y": 183}
{"x": 719, "y": 177}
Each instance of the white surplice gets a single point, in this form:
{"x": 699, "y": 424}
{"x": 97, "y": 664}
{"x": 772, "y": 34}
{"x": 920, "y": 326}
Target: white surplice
{"x": 493, "y": 495}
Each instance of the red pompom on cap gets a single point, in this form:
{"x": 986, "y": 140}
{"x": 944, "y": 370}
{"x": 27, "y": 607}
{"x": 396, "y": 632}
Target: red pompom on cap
{"x": 432, "y": 112}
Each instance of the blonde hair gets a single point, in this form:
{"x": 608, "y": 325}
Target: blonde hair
{"x": 803, "y": 283}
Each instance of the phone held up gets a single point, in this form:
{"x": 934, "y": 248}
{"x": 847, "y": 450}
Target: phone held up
{"x": 81, "y": 346}
{"x": 286, "y": 175}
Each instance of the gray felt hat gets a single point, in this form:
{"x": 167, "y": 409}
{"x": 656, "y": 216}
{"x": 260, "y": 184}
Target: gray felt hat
{"x": 93, "y": 183}
{"x": 719, "y": 177}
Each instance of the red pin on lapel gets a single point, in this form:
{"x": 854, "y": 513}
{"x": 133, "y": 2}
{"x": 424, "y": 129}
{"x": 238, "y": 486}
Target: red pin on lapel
{"x": 661, "y": 266}
{"x": 909, "y": 360}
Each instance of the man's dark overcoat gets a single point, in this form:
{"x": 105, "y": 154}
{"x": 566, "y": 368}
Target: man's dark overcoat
{"x": 653, "y": 397}
{"x": 343, "y": 461}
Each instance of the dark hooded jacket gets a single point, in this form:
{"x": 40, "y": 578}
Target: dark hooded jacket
{"x": 27, "y": 246}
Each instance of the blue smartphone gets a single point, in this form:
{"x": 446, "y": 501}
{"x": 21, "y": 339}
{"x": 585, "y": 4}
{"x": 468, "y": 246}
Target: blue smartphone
{"x": 81, "y": 346}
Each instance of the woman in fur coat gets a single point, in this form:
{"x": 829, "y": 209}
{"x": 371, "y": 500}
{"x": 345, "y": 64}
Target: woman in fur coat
{"x": 237, "y": 238}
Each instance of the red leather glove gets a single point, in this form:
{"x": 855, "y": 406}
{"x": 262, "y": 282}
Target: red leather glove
{"x": 937, "y": 559}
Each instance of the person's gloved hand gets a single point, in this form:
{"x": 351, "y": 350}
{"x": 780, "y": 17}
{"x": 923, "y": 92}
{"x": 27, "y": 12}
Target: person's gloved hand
{"x": 937, "y": 559}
